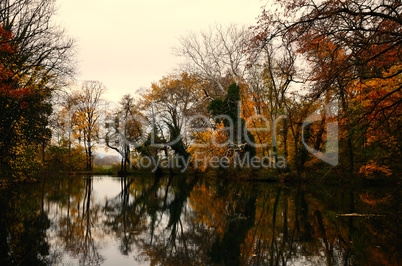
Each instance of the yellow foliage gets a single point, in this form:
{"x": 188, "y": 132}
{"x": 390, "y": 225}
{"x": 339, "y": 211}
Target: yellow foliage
{"x": 209, "y": 145}
{"x": 372, "y": 167}
{"x": 210, "y": 209}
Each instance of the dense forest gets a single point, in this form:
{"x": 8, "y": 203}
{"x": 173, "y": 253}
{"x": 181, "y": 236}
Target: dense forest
{"x": 313, "y": 87}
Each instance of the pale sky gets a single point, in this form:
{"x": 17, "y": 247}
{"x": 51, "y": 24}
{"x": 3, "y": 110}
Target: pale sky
{"x": 127, "y": 45}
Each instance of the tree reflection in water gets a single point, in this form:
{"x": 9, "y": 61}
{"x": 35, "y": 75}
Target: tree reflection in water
{"x": 82, "y": 218}
{"x": 23, "y": 226}
{"x": 189, "y": 220}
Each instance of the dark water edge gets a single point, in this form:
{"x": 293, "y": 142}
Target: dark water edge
{"x": 198, "y": 220}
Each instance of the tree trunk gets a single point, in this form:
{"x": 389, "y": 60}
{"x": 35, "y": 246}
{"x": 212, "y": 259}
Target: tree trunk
{"x": 89, "y": 159}
{"x": 349, "y": 141}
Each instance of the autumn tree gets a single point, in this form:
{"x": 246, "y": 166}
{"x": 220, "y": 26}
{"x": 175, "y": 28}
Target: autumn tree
{"x": 225, "y": 136}
{"x": 87, "y": 116}
{"x": 173, "y": 100}
{"x": 379, "y": 129}
{"x": 34, "y": 55}
{"x": 126, "y": 130}
{"x": 219, "y": 57}
{"x": 345, "y": 43}
{"x": 229, "y": 108}
{"x": 273, "y": 77}
{"x": 63, "y": 151}
{"x": 44, "y": 53}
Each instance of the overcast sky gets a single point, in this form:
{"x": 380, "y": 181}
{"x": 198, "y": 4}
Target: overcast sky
{"x": 127, "y": 44}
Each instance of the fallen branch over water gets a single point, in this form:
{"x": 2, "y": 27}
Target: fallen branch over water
{"x": 358, "y": 215}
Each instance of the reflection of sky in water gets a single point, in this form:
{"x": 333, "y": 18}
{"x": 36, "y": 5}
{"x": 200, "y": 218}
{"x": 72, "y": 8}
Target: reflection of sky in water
{"x": 106, "y": 187}
{"x": 109, "y": 188}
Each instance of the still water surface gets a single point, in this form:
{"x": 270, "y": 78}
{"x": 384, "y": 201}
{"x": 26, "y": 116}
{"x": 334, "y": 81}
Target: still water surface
{"x": 188, "y": 220}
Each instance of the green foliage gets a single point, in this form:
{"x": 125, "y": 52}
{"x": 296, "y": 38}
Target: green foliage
{"x": 216, "y": 106}
{"x": 229, "y": 107}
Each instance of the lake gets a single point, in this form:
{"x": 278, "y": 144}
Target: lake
{"x": 194, "y": 220}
